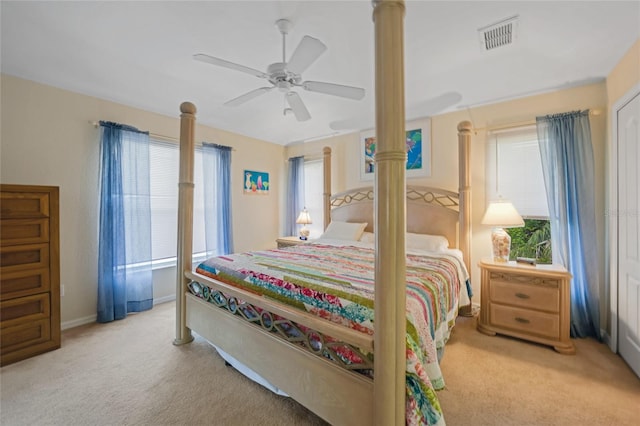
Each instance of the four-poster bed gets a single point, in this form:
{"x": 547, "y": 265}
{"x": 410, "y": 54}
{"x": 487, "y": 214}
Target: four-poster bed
{"x": 296, "y": 350}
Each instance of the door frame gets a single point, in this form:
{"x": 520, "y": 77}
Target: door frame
{"x": 612, "y": 213}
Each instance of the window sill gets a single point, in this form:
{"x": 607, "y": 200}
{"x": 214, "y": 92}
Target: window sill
{"x": 171, "y": 262}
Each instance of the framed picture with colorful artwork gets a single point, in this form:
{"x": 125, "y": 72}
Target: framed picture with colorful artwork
{"x": 255, "y": 182}
{"x": 418, "y": 146}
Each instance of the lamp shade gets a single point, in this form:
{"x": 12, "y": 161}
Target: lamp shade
{"x": 304, "y": 218}
{"x": 503, "y": 214}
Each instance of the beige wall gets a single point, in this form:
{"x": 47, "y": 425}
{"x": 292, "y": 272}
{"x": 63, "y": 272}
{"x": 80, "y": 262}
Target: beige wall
{"x": 46, "y": 139}
{"x": 625, "y": 75}
{"x": 444, "y": 163}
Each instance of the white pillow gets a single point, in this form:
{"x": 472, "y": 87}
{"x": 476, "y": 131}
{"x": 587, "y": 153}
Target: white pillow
{"x": 368, "y": 237}
{"x": 343, "y": 231}
{"x": 426, "y": 242}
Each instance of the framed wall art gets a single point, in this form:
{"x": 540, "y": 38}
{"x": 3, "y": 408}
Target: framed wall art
{"x": 418, "y": 145}
{"x": 255, "y": 182}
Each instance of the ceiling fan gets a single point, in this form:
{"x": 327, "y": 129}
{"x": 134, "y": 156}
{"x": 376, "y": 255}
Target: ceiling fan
{"x": 287, "y": 75}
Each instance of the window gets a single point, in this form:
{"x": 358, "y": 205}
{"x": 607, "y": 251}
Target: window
{"x": 164, "y": 166}
{"x": 514, "y": 172}
{"x": 533, "y": 240}
{"x": 313, "y": 196}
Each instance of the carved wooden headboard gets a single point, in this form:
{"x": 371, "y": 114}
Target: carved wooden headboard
{"x": 429, "y": 210}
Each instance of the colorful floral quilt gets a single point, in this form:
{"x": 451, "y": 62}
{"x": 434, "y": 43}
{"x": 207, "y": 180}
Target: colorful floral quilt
{"x": 337, "y": 283}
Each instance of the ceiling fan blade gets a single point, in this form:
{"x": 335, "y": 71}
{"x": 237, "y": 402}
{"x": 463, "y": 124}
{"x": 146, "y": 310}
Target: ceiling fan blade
{"x": 226, "y": 64}
{"x": 305, "y": 54}
{"x": 297, "y": 106}
{"x": 247, "y": 96}
{"x": 350, "y": 92}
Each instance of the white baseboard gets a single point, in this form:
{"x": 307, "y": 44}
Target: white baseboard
{"x": 164, "y": 299}
{"x": 92, "y": 318}
{"x": 606, "y": 339}
{"x": 78, "y": 322}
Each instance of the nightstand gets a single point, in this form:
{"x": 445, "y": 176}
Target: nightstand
{"x": 290, "y": 241}
{"x": 528, "y": 302}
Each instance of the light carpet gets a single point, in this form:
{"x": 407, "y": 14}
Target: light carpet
{"x": 129, "y": 373}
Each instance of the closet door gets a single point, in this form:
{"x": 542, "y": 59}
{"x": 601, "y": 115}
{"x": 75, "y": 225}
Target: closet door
{"x": 628, "y": 124}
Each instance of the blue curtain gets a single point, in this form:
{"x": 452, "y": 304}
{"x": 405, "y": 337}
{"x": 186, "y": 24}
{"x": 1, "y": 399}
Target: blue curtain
{"x": 567, "y": 163}
{"x": 295, "y": 194}
{"x": 216, "y": 166}
{"x": 124, "y": 248}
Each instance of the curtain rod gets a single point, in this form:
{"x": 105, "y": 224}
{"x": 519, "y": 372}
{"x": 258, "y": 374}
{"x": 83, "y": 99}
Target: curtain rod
{"x": 96, "y": 124}
{"x": 519, "y": 125}
{"x": 523, "y": 124}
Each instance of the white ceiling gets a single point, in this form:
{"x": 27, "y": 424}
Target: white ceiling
{"x": 139, "y": 53}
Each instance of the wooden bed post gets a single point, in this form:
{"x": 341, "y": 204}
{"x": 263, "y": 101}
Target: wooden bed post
{"x": 326, "y": 163}
{"x": 390, "y": 216}
{"x": 464, "y": 190}
{"x": 464, "y": 200}
{"x": 185, "y": 218}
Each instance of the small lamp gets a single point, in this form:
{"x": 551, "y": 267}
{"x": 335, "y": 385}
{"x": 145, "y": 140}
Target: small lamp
{"x": 304, "y": 219}
{"x": 501, "y": 214}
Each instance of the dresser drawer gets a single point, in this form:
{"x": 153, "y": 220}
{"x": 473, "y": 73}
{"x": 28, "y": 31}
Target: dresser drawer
{"x": 530, "y": 322}
{"x": 23, "y": 336}
{"x": 526, "y": 296}
{"x": 24, "y": 231}
{"x": 22, "y": 257}
{"x": 24, "y": 283}
{"x": 17, "y": 205}
{"x": 24, "y": 309}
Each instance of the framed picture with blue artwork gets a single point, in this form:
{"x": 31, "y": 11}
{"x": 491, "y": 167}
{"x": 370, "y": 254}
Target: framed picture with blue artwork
{"x": 255, "y": 182}
{"x": 417, "y": 143}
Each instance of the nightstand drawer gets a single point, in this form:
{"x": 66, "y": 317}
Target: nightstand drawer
{"x": 523, "y": 278}
{"x": 530, "y": 322}
{"x": 526, "y": 296}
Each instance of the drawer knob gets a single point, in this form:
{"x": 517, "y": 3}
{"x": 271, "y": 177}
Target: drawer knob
{"x": 522, "y": 296}
{"x": 522, "y": 320}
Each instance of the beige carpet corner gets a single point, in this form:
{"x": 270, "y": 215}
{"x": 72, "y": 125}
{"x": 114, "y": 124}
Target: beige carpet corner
{"x": 129, "y": 373}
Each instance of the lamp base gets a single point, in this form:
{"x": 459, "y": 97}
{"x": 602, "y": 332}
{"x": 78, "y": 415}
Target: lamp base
{"x": 304, "y": 233}
{"x": 501, "y": 243}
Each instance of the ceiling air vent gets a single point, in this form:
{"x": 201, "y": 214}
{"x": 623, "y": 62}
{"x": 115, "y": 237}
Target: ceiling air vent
{"x": 499, "y": 34}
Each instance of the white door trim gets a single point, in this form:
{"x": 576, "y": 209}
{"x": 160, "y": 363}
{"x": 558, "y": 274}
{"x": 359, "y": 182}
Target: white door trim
{"x": 612, "y": 213}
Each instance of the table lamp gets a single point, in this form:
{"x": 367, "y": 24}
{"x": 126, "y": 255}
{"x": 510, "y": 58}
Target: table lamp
{"x": 304, "y": 219}
{"x": 501, "y": 214}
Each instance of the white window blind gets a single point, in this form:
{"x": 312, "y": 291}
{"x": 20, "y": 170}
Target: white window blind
{"x": 164, "y": 166}
{"x": 514, "y": 171}
{"x": 313, "y": 187}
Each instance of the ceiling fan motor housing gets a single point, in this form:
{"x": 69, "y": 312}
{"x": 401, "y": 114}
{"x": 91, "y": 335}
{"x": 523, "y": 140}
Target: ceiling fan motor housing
{"x": 280, "y": 77}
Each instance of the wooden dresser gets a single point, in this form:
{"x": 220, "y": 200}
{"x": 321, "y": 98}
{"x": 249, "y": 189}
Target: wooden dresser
{"x": 528, "y": 302}
{"x": 29, "y": 271}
